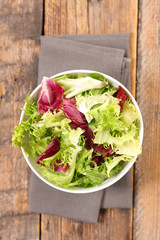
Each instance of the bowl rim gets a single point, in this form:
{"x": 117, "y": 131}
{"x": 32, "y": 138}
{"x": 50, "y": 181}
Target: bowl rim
{"x": 122, "y": 172}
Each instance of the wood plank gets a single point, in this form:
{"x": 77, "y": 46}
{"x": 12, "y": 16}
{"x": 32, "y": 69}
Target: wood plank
{"x": 110, "y": 17}
{"x": 147, "y": 169}
{"x": 60, "y": 17}
{"x": 109, "y": 226}
{"x": 21, "y": 25}
{"x": 20, "y": 227}
{"x": 82, "y": 16}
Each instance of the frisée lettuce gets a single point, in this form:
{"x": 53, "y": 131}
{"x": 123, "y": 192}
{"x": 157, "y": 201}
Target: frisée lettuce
{"x": 81, "y": 130}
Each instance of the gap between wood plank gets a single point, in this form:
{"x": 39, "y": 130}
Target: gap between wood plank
{"x": 135, "y": 92}
{"x": 137, "y": 48}
{"x": 42, "y": 34}
{"x": 43, "y": 17}
{"x": 40, "y": 226}
{"x": 88, "y": 17}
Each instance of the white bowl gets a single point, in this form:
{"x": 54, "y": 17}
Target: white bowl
{"x": 110, "y": 181}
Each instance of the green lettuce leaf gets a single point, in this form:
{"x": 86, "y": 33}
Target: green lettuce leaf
{"x": 128, "y": 143}
{"x": 19, "y": 133}
{"x": 108, "y": 116}
{"x": 85, "y": 103}
{"x": 130, "y": 113}
{"x": 119, "y": 130}
{"x": 69, "y": 148}
{"x": 129, "y": 147}
{"x": 34, "y": 147}
{"x": 61, "y": 178}
{"x": 25, "y": 126}
{"x": 98, "y": 76}
{"x": 111, "y": 163}
{"x": 73, "y": 87}
{"x": 86, "y": 174}
{"x": 55, "y": 124}
{"x": 104, "y": 136}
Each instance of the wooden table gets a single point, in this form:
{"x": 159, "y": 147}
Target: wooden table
{"x": 21, "y": 24}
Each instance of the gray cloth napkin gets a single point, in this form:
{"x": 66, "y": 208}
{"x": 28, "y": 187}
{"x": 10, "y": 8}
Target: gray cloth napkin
{"x": 107, "y": 53}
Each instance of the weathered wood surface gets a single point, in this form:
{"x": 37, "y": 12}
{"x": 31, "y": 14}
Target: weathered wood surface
{"x": 112, "y": 225}
{"x": 94, "y": 16}
{"x": 20, "y": 30}
{"x": 84, "y": 17}
{"x": 20, "y": 227}
{"x": 146, "y": 224}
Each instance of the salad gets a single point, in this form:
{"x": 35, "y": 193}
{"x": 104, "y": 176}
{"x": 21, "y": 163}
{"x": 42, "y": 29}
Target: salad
{"x": 81, "y": 130}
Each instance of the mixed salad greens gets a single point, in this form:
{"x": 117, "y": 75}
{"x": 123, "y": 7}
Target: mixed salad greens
{"x": 81, "y": 130}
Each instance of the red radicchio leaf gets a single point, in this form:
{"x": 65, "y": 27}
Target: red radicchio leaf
{"x": 58, "y": 161}
{"x": 61, "y": 168}
{"x": 78, "y": 120}
{"x": 50, "y": 96}
{"x": 71, "y": 100}
{"x": 120, "y": 95}
{"x": 83, "y": 117}
{"x": 74, "y": 125}
{"x": 88, "y": 134}
{"x": 51, "y": 150}
{"x": 72, "y": 112}
{"x": 116, "y": 155}
{"x": 97, "y": 160}
{"x": 107, "y": 152}
{"x": 100, "y": 149}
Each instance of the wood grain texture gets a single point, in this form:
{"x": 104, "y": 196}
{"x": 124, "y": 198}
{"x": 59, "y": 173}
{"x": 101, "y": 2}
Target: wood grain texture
{"x": 112, "y": 225}
{"x": 116, "y": 16}
{"x": 82, "y": 17}
{"x": 21, "y": 23}
{"x": 147, "y": 170}
{"x": 20, "y": 227}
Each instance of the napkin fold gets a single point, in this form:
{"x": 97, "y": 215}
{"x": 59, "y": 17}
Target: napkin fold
{"x": 107, "y": 53}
